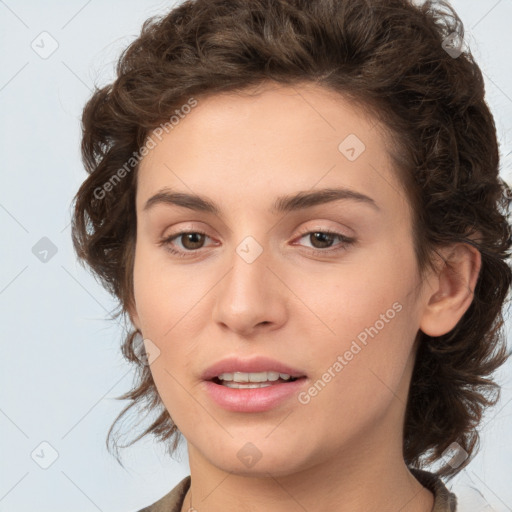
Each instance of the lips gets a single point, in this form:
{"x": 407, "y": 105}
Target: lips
{"x": 252, "y": 365}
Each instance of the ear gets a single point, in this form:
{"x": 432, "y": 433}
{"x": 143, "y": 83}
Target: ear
{"x": 452, "y": 289}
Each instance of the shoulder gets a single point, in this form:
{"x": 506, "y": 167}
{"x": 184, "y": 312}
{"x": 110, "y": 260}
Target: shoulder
{"x": 172, "y": 501}
{"x": 444, "y": 500}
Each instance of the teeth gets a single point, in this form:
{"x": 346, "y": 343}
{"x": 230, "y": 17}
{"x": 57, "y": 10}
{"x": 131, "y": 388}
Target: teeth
{"x": 247, "y": 385}
{"x": 253, "y": 377}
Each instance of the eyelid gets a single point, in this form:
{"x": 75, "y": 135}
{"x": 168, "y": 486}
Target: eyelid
{"x": 345, "y": 240}
{"x": 167, "y": 239}
{"x": 324, "y": 229}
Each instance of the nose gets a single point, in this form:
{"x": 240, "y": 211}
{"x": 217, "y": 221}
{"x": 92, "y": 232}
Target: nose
{"x": 250, "y": 298}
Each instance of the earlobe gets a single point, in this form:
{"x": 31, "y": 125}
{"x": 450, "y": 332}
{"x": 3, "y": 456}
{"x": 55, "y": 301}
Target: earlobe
{"x": 452, "y": 293}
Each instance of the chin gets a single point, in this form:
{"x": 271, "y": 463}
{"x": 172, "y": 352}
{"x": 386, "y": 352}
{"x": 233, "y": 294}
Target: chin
{"x": 258, "y": 459}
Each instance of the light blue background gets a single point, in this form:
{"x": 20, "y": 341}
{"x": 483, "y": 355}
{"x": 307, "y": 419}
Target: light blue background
{"x": 61, "y": 363}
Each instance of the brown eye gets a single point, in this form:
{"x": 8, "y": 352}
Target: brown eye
{"x": 184, "y": 243}
{"x": 322, "y": 239}
{"x": 322, "y": 242}
{"x": 191, "y": 241}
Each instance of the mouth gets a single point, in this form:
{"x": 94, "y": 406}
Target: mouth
{"x": 258, "y": 369}
{"x": 240, "y": 380}
{"x": 239, "y": 392}
{"x": 257, "y": 384}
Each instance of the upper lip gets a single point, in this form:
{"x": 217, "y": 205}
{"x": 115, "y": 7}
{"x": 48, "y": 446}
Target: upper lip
{"x": 254, "y": 364}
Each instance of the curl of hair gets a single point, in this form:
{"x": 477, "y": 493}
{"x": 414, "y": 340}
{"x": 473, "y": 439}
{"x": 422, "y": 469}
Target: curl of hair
{"x": 386, "y": 56}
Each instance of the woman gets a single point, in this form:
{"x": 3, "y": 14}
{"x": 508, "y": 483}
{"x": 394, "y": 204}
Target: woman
{"x": 297, "y": 205}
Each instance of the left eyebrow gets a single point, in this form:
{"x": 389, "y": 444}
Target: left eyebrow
{"x": 298, "y": 201}
{"x": 308, "y": 199}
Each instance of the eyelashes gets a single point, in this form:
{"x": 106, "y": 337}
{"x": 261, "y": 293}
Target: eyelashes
{"x": 326, "y": 236}
{"x": 168, "y": 243}
{"x": 345, "y": 241}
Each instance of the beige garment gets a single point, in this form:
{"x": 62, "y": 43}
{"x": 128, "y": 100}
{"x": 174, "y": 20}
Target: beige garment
{"x": 444, "y": 500}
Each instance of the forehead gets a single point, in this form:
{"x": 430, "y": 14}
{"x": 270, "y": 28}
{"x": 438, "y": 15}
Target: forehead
{"x": 242, "y": 146}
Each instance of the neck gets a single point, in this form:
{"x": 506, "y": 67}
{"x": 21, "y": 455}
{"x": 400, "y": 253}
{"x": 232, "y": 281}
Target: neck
{"x": 369, "y": 479}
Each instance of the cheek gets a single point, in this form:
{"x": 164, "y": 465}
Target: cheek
{"x": 365, "y": 293}
{"x": 360, "y": 376}
{"x": 365, "y": 328}
{"x": 172, "y": 316}
{"x": 168, "y": 297}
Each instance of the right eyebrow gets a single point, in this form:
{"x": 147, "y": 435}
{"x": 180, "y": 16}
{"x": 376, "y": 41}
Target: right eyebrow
{"x": 191, "y": 201}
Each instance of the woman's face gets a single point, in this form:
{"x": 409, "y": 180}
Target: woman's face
{"x": 259, "y": 276}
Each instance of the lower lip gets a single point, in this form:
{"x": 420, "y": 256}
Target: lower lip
{"x": 252, "y": 399}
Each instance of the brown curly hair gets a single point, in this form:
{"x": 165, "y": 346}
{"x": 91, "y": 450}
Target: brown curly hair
{"x": 392, "y": 58}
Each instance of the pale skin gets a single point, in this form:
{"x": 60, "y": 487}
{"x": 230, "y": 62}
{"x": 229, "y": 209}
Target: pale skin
{"x": 343, "y": 450}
